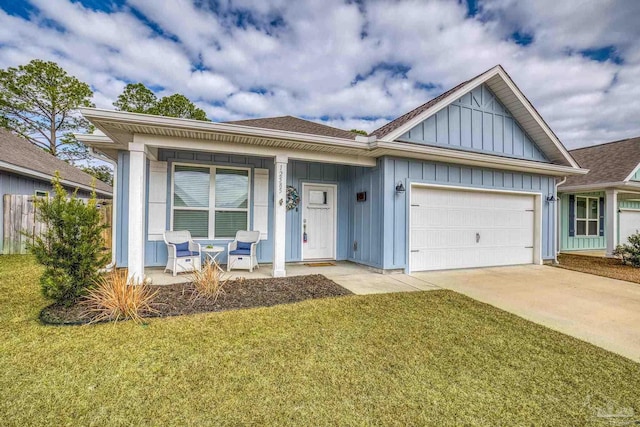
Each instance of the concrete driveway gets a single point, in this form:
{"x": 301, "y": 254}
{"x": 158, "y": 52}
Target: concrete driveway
{"x": 602, "y": 311}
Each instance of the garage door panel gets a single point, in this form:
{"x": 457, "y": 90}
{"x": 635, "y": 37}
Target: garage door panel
{"x": 462, "y": 229}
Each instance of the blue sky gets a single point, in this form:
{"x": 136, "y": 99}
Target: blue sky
{"x": 350, "y": 64}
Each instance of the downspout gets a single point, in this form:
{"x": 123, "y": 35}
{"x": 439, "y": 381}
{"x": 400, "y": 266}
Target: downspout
{"x": 557, "y": 221}
{"x": 114, "y": 202}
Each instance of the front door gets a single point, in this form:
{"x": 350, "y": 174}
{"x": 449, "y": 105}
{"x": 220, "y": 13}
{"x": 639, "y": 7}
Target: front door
{"x": 318, "y": 221}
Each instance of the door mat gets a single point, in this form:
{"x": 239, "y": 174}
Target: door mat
{"x": 320, "y": 264}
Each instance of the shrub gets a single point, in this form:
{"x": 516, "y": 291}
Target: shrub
{"x": 629, "y": 252}
{"x": 209, "y": 282}
{"x": 71, "y": 245}
{"x": 116, "y": 297}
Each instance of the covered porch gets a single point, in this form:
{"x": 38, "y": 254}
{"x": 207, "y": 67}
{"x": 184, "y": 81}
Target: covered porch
{"x": 170, "y": 178}
{"x": 596, "y": 220}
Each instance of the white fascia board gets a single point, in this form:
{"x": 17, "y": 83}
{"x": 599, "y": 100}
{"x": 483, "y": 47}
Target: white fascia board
{"x": 39, "y": 175}
{"x": 202, "y": 126}
{"x": 403, "y": 149}
{"x": 90, "y": 139}
{"x": 495, "y": 71}
{"x": 633, "y": 172}
{"x": 622, "y": 186}
{"x": 253, "y": 150}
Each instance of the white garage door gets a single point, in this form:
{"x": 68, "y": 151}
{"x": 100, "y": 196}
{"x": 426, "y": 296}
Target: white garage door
{"x": 629, "y": 224}
{"x": 464, "y": 229}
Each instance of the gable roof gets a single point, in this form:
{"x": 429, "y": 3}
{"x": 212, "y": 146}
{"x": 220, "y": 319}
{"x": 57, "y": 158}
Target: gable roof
{"x": 507, "y": 93}
{"x": 22, "y": 157}
{"x": 611, "y": 162}
{"x": 382, "y": 131}
{"x": 294, "y": 124}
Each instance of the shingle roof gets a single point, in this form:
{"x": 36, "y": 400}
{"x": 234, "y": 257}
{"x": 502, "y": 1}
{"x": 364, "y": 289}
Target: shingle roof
{"x": 608, "y": 162}
{"x": 19, "y": 152}
{"x": 294, "y": 124}
{"x": 395, "y": 124}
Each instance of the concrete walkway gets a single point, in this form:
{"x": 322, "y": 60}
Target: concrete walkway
{"x": 602, "y": 311}
{"x": 359, "y": 279}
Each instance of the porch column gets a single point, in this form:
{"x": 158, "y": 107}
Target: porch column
{"x": 611, "y": 220}
{"x": 137, "y": 186}
{"x": 279, "y": 216}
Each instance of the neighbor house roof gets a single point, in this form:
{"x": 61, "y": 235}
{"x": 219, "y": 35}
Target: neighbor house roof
{"x": 611, "y": 162}
{"x": 294, "y": 124}
{"x": 21, "y": 157}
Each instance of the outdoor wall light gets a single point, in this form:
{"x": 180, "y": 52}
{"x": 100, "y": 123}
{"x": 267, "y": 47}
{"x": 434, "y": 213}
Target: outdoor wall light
{"x": 551, "y": 198}
{"x": 399, "y": 187}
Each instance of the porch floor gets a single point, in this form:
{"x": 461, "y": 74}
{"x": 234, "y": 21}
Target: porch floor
{"x": 357, "y": 278}
{"x": 600, "y": 253}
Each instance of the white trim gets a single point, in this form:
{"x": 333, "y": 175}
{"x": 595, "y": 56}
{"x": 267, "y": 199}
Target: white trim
{"x": 611, "y": 221}
{"x": 627, "y": 187}
{"x": 199, "y": 125}
{"x": 293, "y": 145}
{"x": 587, "y": 219}
{"x": 483, "y": 78}
{"x": 448, "y": 155}
{"x": 212, "y": 197}
{"x": 537, "y": 215}
{"x": 633, "y": 172}
{"x": 335, "y": 217}
{"x": 43, "y": 193}
{"x": 47, "y": 177}
{"x": 278, "y": 267}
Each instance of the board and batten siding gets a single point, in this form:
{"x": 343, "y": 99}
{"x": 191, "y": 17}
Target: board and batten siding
{"x": 410, "y": 171}
{"x": 358, "y": 223}
{"x": 11, "y": 183}
{"x": 577, "y": 243}
{"x": 636, "y": 176}
{"x": 476, "y": 122}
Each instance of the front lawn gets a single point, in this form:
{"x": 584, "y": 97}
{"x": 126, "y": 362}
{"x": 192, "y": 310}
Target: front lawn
{"x": 600, "y": 266}
{"x": 423, "y": 358}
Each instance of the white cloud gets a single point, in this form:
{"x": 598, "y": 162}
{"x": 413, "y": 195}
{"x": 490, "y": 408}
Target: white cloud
{"x": 323, "y": 59}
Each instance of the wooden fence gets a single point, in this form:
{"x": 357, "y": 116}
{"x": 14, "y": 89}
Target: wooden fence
{"x": 20, "y": 216}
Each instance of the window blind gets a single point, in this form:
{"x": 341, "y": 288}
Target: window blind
{"x": 191, "y": 187}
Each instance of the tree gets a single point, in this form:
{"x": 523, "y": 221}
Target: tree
{"x": 359, "y": 132}
{"x": 103, "y": 172}
{"x": 178, "y": 105}
{"x": 38, "y": 102}
{"x": 137, "y": 98}
{"x": 71, "y": 246}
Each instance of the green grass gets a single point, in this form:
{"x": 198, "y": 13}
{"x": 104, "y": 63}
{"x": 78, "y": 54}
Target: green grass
{"x": 425, "y": 358}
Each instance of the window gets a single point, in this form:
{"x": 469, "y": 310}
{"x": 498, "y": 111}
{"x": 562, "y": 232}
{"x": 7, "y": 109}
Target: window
{"x": 211, "y": 202}
{"x": 587, "y": 216}
{"x": 40, "y": 193}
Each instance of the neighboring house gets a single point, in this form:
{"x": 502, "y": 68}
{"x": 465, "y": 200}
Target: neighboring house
{"x": 28, "y": 170}
{"x": 602, "y": 208}
{"x": 465, "y": 180}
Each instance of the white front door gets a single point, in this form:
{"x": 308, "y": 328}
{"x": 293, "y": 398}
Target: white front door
{"x": 465, "y": 229}
{"x": 629, "y": 224}
{"x": 318, "y": 221}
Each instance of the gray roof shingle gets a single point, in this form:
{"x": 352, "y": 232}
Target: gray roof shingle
{"x": 607, "y": 163}
{"x": 294, "y": 124}
{"x": 19, "y": 152}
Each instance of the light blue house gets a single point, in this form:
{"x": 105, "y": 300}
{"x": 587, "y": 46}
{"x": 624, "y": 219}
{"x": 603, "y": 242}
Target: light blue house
{"x": 602, "y": 208}
{"x": 466, "y": 180}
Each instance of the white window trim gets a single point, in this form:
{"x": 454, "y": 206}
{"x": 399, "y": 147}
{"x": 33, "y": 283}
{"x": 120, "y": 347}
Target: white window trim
{"x": 587, "y": 219}
{"x": 41, "y": 193}
{"x": 212, "y": 198}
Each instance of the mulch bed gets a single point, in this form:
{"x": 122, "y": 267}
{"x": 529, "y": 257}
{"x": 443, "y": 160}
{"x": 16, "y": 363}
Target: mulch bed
{"x": 178, "y": 299}
{"x": 606, "y": 267}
